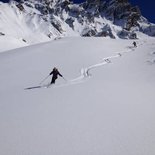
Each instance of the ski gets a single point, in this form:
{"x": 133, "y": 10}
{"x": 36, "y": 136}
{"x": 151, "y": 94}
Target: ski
{"x": 37, "y": 87}
{"x": 107, "y": 60}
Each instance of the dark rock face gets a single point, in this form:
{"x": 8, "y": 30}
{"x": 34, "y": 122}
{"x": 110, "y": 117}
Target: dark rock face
{"x": 107, "y": 31}
{"x": 121, "y": 10}
{"x": 118, "y": 11}
{"x": 91, "y": 15}
{"x": 70, "y": 22}
{"x": 57, "y": 25}
{"x": 133, "y": 18}
{"x": 133, "y": 36}
{"x": 88, "y": 33}
{"x": 20, "y": 7}
{"x": 124, "y": 34}
{"x": 150, "y": 30}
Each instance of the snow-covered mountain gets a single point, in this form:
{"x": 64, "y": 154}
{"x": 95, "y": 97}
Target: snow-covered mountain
{"x": 103, "y": 105}
{"x": 102, "y": 108}
{"x": 29, "y": 21}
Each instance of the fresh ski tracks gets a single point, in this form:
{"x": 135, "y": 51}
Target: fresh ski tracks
{"x": 85, "y": 72}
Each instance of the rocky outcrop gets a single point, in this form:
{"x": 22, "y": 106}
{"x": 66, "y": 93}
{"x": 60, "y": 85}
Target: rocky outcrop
{"x": 20, "y": 7}
{"x": 124, "y": 34}
{"x": 113, "y": 18}
{"x": 88, "y": 32}
{"x": 150, "y": 30}
{"x": 121, "y": 11}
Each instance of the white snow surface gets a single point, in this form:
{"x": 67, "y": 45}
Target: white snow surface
{"x": 23, "y": 24}
{"x": 22, "y": 28}
{"x": 106, "y": 107}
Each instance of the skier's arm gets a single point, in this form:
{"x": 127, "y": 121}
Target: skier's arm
{"x": 51, "y": 73}
{"x": 60, "y": 74}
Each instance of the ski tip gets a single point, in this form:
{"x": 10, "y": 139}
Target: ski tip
{"x": 32, "y": 87}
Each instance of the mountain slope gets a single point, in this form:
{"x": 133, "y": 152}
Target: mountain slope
{"x": 29, "y": 22}
{"x": 103, "y": 108}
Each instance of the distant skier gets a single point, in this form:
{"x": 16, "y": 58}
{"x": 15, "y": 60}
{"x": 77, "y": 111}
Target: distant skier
{"x": 55, "y": 73}
{"x": 135, "y": 44}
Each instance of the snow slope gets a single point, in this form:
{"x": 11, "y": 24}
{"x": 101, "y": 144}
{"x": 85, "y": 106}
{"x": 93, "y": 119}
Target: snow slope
{"x": 30, "y": 22}
{"x": 22, "y": 28}
{"x": 105, "y": 107}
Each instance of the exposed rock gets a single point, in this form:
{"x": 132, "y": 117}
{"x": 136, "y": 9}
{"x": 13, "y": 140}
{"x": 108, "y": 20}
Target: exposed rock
{"x": 20, "y": 7}
{"x": 133, "y": 36}
{"x": 88, "y": 32}
{"x": 121, "y": 10}
{"x": 70, "y": 22}
{"x": 57, "y": 25}
{"x": 106, "y": 31}
{"x": 150, "y": 30}
{"x": 133, "y": 18}
{"x": 113, "y": 18}
{"x": 124, "y": 34}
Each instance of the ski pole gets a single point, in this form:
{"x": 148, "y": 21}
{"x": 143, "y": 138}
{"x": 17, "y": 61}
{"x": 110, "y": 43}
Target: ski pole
{"x": 64, "y": 78}
{"x": 44, "y": 79}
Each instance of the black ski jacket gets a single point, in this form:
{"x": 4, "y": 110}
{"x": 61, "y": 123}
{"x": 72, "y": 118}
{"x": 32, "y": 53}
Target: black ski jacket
{"x": 55, "y": 74}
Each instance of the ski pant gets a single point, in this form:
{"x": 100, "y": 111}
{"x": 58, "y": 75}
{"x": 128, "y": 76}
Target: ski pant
{"x": 53, "y": 80}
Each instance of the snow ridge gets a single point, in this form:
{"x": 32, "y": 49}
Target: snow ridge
{"x": 30, "y": 22}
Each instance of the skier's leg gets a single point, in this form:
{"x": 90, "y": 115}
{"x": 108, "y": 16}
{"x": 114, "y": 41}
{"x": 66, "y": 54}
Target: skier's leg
{"x": 53, "y": 80}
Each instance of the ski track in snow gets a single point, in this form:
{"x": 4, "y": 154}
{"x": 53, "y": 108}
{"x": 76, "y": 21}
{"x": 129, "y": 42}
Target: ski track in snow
{"x": 85, "y": 72}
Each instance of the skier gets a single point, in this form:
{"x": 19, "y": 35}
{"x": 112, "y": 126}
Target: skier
{"x": 55, "y": 73}
{"x": 134, "y": 43}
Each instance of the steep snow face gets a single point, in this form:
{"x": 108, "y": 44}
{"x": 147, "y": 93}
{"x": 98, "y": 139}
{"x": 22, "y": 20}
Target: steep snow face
{"x": 106, "y": 106}
{"x": 25, "y": 25}
{"x": 32, "y": 22}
